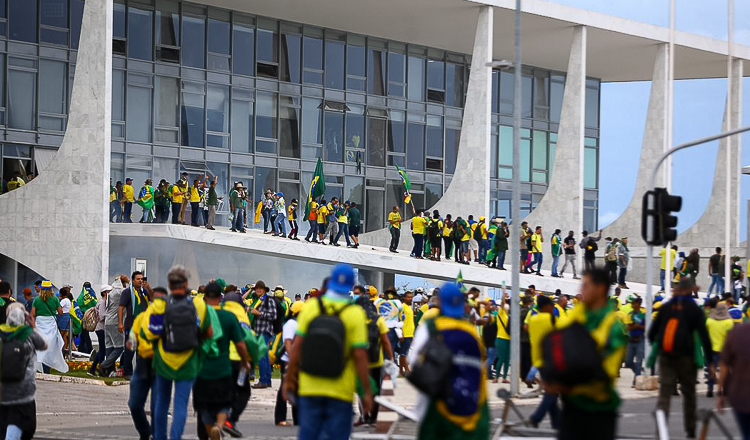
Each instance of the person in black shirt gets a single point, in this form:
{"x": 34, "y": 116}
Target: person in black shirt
{"x": 133, "y": 301}
{"x": 569, "y": 248}
{"x": 678, "y": 320}
{"x": 489, "y": 334}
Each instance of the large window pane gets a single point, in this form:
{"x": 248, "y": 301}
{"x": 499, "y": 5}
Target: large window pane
{"x": 525, "y": 159}
{"x": 167, "y": 101}
{"x": 416, "y": 79}
{"x": 22, "y": 20}
{"x": 312, "y": 115}
{"x": 590, "y": 168}
{"x": 76, "y": 17}
{"x": 53, "y": 13}
{"x": 140, "y": 31}
{"x": 507, "y": 92}
{"x": 193, "y": 97}
{"x": 415, "y": 147}
{"x": 541, "y": 95}
{"x": 118, "y": 95}
{"x": 291, "y": 46}
{"x": 355, "y": 67}
{"x": 242, "y": 121}
{"x": 436, "y": 74}
{"x": 435, "y": 136}
{"x": 243, "y": 50}
{"x": 396, "y": 73}
{"x": 334, "y": 69}
{"x": 268, "y": 43}
{"x": 217, "y": 116}
{"x": 527, "y": 91}
{"x": 221, "y": 171}
{"x": 376, "y": 141}
{"x": 505, "y": 156}
{"x": 265, "y": 178}
{"x": 218, "y": 36}
{"x": 454, "y": 90}
{"x": 334, "y": 136}
{"x": 167, "y": 24}
{"x": 165, "y": 168}
{"x": 394, "y": 196}
{"x": 52, "y": 94}
{"x": 21, "y": 99}
{"x": 289, "y": 141}
{"x": 452, "y": 139}
{"x": 397, "y": 132}
{"x": 557, "y": 89}
{"x": 540, "y": 150}
{"x": 138, "y": 123}
{"x": 354, "y": 189}
{"x": 376, "y": 72}
{"x": 374, "y": 212}
{"x": 194, "y": 41}
{"x": 313, "y": 60}
{"x": 592, "y": 104}
{"x": 266, "y": 105}
{"x": 118, "y": 20}
{"x": 355, "y": 127}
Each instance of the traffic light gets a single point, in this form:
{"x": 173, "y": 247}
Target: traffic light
{"x": 657, "y": 222}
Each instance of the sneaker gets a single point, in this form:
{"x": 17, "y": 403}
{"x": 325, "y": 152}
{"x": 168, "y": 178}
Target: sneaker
{"x": 89, "y": 373}
{"x": 232, "y": 230}
{"x": 231, "y": 430}
{"x": 243, "y": 231}
{"x": 710, "y": 394}
{"x": 215, "y": 433}
{"x": 211, "y": 228}
{"x": 576, "y": 278}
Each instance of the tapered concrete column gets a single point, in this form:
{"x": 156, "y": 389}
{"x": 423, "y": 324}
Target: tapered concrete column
{"x": 473, "y": 160}
{"x": 708, "y": 231}
{"x": 58, "y": 223}
{"x": 654, "y": 138}
{"x": 562, "y": 204}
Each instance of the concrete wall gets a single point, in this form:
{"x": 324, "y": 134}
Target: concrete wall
{"x": 57, "y": 224}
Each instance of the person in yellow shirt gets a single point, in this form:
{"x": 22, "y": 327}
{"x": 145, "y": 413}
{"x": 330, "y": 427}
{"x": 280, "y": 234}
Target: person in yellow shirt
{"x": 482, "y": 241}
{"x": 448, "y": 236}
{"x": 502, "y": 342}
{"x": 128, "y": 199}
{"x": 418, "y": 224}
{"x": 663, "y": 271}
{"x": 536, "y": 250}
{"x": 183, "y": 184}
{"x": 326, "y": 389}
{"x": 718, "y": 324}
{"x": 322, "y": 213}
{"x": 177, "y": 194}
{"x": 540, "y": 325}
{"x": 407, "y": 318}
{"x": 195, "y": 199}
{"x": 394, "y": 225}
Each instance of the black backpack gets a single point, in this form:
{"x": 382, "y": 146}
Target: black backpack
{"x": 181, "y": 325}
{"x": 14, "y": 358}
{"x": 278, "y": 323}
{"x": 477, "y": 232}
{"x": 571, "y": 357}
{"x": 431, "y": 371}
{"x": 433, "y": 230}
{"x": 373, "y": 332}
{"x": 324, "y": 350}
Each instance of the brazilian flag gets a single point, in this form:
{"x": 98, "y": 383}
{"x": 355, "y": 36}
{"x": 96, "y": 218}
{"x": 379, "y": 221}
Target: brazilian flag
{"x": 460, "y": 282}
{"x": 317, "y": 187}
{"x": 404, "y": 178}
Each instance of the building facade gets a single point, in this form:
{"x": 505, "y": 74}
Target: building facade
{"x": 248, "y": 98}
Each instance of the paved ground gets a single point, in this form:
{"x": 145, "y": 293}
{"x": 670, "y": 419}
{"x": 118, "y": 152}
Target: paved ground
{"x": 67, "y": 411}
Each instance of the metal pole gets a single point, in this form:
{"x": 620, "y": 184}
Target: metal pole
{"x": 669, "y": 138}
{"x": 728, "y": 170}
{"x": 515, "y": 306}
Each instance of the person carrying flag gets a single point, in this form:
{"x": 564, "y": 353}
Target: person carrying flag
{"x": 86, "y": 300}
{"x": 146, "y": 201}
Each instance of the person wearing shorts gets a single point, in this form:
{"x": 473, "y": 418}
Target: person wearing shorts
{"x": 355, "y": 222}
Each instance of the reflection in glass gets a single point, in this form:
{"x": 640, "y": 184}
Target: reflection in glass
{"x": 291, "y": 45}
{"x": 396, "y": 73}
{"x": 268, "y": 42}
{"x": 118, "y": 20}
{"x": 242, "y": 121}
{"x": 289, "y": 142}
{"x": 355, "y": 127}
{"x": 374, "y": 213}
{"x": 52, "y": 86}
{"x": 167, "y": 101}
{"x": 312, "y": 114}
{"x": 194, "y": 41}
{"x": 557, "y": 89}
{"x": 265, "y": 178}
{"x": 592, "y": 107}
{"x": 313, "y": 60}
{"x": 334, "y": 136}
{"x": 221, "y": 171}
{"x": 218, "y": 36}
{"x": 21, "y": 99}
{"x": 354, "y": 189}
{"x": 433, "y": 192}
{"x": 590, "y": 168}
{"x": 118, "y": 95}
{"x": 507, "y": 91}
{"x": 217, "y": 115}
{"x": 454, "y": 90}
{"x": 527, "y": 83}
{"x": 334, "y": 68}
{"x": 415, "y": 147}
{"x": 397, "y": 132}
{"x": 540, "y": 150}
{"x": 76, "y": 17}
{"x": 436, "y": 75}
{"x": 193, "y": 96}
{"x": 435, "y": 136}
{"x": 53, "y": 13}
{"x": 525, "y": 160}
{"x": 416, "y": 79}
{"x": 495, "y": 91}
{"x": 376, "y": 72}
{"x": 138, "y": 124}
{"x": 167, "y": 24}
{"x": 452, "y": 139}
{"x": 22, "y": 20}
{"x": 140, "y": 29}
{"x": 376, "y": 141}
{"x": 355, "y": 67}
{"x": 265, "y": 121}
{"x": 243, "y": 50}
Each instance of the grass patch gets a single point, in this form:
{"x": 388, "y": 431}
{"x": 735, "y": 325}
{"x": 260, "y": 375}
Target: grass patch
{"x": 83, "y": 375}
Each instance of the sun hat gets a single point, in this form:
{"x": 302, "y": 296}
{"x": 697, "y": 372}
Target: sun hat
{"x": 261, "y": 285}
{"x": 105, "y": 288}
{"x": 46, "y": 284}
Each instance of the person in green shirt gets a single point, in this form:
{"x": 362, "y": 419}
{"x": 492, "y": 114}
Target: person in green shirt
{"x": 212, "y": 201}
{"x": 213, "y": 391}
{"x": 236, "y": 205}
{"x": 161, "y": 201}
{"x": 355, "y": 221}
{"x": 556, "y": 248}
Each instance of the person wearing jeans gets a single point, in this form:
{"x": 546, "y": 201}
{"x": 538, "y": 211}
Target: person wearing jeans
{"x": 636, "y": 349}
{"x": 162, "y": 394}
{"x": 394, "y": 225}
{"x": 264, "y": 316}
{"x": 323, "y": 415}
{"x": 536, "y": 250}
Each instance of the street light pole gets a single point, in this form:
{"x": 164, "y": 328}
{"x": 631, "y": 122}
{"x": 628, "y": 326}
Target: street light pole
{"x": 515, "y": 307}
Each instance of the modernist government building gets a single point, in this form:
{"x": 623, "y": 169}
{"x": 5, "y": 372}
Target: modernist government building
{"x": 258, "y": 91}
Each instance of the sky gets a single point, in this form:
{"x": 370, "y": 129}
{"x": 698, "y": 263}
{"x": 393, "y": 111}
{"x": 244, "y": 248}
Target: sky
{"x": 698, "y": 112}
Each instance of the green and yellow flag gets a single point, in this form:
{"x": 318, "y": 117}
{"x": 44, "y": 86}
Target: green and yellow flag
{"x": 404, "y": 178}
{"x": 317, "y": 187}
{"x": 460, "y": 282}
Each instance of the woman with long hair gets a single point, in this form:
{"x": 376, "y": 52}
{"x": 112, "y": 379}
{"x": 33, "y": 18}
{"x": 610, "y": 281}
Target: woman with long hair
{"x": 63, "y": 320}
{"x": 45, "y": 310}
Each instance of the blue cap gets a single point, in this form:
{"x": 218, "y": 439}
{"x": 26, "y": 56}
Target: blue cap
{"x": 451, "y": 301}
{"x": 341, "y": 280}
{"x": 280, "y": 194}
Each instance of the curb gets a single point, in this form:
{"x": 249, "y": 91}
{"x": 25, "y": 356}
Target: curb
{"x": 77, "y": 380}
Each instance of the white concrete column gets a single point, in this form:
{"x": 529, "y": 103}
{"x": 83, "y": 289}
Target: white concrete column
{"x": 708, "y": 231}
{"x": 654, "y": 138}
{"x": 58, "y": 223}
{"x": 473, "y": 161}
{"x": 562, "y": 204}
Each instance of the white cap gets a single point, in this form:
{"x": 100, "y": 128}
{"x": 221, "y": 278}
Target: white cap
{"x": 105, "y": 288}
